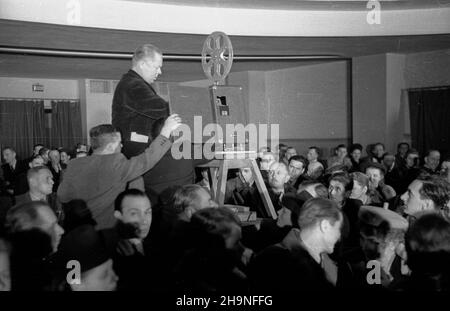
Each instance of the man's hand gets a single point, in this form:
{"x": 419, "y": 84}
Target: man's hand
{"x": 171, "y": 124}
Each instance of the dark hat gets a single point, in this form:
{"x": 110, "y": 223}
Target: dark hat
{"x": 85, "y": 245}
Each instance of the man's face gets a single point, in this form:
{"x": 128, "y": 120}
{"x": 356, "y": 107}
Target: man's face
{"x": 445, "y": 170}
{"x": 65, "y": 157}
{"x": 100, "y": 278}
{"x": 42, "y": 182}
{"x": 402, "y": 149}
{"x": 204, "y": 174}
{"x": 234, "y": 237}
{"x": 266, "y": 161}
{"x": 311, "y": 189}
{"x": 54, "y": 156}
{"x": 9, "y": 155}
{"x": 388, "y": 160}
{"x": 116, "y": 145}
{"x": 413, "y": 201}
{"x": 312, "y": 155}
{"x": 378, "y": 150}
{"x": 45, "y": 156}
{"x": 358, "y": 190}
{"x": 136, "y": 210}
{"x": 356, "y": 155}
{"x": 290, "y": 153}
{"x": 49, "y": 223}
{"x": 296, "y": 169}
{"x": 278, "y": 176}
{"x": 341, "y": 152}
{"x": 37, "y": 161}
{"x": 284, "y": 217}
{"x": 375, "y": 177}
{"x": 331, "y": 234}
{"x": 246, "y": 174}
{"x": 204, "y": 200}
{"x": 336, "y": 191}
{"x": 411, "y": 159}
{"x": 432, "y": 160}
{"x": 151, "y": 68}
{"x": 5, "y": 276}
{"x": 36, "y": 150}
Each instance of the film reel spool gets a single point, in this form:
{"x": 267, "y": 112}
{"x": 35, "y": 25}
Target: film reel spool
{"x": 217, "y": 47}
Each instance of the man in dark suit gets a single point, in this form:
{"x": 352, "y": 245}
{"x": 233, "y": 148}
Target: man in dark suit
{"x": 40, "y": 182}
{"x": 301, "y": 259}
{"x": 136, "y": 106}
{"x": 131, "y": 259}
{"x": 12, "y": 169}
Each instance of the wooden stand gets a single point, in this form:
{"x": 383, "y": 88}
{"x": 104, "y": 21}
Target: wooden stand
{"x": 232, "y": 160}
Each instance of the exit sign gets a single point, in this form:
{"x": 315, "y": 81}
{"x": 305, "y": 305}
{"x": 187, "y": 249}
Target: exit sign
{"x": 38, "y": 88}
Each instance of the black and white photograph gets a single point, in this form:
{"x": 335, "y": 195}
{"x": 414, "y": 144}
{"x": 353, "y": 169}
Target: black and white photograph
{"x": 225, "y": 154}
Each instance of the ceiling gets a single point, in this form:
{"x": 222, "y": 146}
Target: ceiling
{"x": 53, "y": 36}
{"x": 302, "y": 5}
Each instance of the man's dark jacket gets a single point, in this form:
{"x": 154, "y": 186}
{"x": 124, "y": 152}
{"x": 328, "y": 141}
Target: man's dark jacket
{"x": 287, "y": 266}
{"x": 135, "y": 108}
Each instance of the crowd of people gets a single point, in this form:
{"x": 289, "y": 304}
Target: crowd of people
{"x": 125, "y": 215}
{"x": 334, "y": 216}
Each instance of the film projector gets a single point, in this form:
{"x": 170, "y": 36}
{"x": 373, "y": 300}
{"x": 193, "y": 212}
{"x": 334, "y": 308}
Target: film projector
{"x": 228, "y": 109}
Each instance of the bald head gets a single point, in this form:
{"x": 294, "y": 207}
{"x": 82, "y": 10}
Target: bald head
{"x": 278, "y": 175}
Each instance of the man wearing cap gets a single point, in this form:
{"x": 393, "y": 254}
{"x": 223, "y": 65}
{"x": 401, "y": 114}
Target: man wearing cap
{"x": 131, "y": 258}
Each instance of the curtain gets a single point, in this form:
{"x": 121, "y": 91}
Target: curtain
{"x": 65, "y": 124}
{"x": 21, "y": 125}
{"x": 430, "y": 119}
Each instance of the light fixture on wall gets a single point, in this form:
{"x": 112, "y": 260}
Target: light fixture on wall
{"x": 37, "y": 87}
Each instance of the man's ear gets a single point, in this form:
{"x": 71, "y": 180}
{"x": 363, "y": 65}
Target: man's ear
{"x": 118, "y": 215}
{"x": 109, "y": 147}
{"x": 428, "y": 205}
{"x": 324, "y": 225}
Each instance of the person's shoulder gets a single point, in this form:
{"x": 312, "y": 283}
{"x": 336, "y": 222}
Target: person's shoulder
{"x": 316, "y": 165}
{"x": 387, "y": 189}
{"x": 23, "y": 198}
